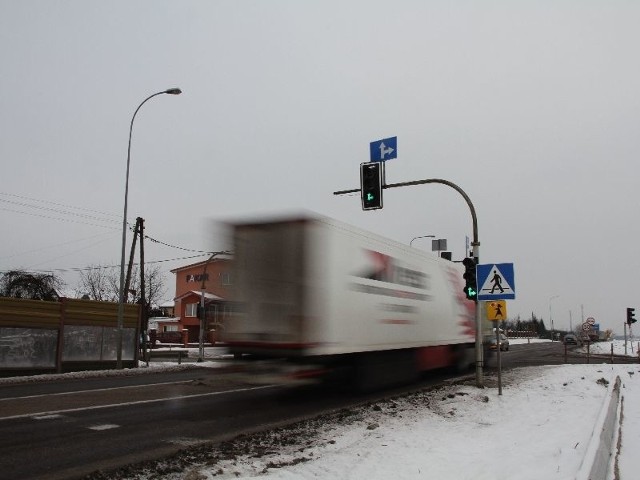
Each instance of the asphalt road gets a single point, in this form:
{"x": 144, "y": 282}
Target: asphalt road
{"x": 98, "y": 425}
{"x": 68, "y": 429}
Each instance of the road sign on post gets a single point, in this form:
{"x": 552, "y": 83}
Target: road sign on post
{"x": 496, "y": 281}
{"x": 497, "y": 310}
{"x": 383, "y": 150}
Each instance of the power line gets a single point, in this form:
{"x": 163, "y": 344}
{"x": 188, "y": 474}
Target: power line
{"x": 63, "y": 211}
{"x": 174, "y": 246}
{"x": 81, "y": 269}
{"x": 58, "y": 218}
{"x": 59, "y": 204}
{"x": 72, "y": 253}
{"x": 55, "y": 210}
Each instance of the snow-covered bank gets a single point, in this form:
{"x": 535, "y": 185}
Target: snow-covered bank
{"x": 539, "y": 428}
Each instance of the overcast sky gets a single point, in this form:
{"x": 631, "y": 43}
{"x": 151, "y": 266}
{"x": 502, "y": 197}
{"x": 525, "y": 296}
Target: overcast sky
{"x": 532, "y": 108}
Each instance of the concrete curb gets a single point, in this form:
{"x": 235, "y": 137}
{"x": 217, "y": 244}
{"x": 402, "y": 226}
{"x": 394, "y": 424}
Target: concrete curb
{"x": 597, "y": 459}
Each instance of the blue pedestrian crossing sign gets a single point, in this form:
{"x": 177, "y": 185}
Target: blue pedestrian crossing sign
{"x": 496, "y": 281}
{"x": 383, "y": 150}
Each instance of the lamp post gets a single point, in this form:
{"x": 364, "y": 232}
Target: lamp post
{"x": 170, "y": 91}
{"x": 551, "y": 317}
{"x": 423, "y": 236}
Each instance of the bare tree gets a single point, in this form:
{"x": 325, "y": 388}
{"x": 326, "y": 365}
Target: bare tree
{"x": 95, "y": 283}
{"x": 154, "y": 285}
{"x": 30, "y": 285}
{"x": 101, "y": 283}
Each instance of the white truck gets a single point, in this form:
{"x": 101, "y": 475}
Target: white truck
{"x": 330, "y": 301}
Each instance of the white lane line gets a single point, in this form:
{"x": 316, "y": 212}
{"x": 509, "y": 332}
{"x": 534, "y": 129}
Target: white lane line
{"x": 106, "y": 426}
{"x": 47, "y": 417}
{"x": 94, "y": 390}
{"x": 139, "y": 402}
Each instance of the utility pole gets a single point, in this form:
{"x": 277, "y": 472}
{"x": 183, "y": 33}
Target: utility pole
{"x": 570, "y": 322}
{"x": 144, "y": 315}
{"x": 127, "y": 283}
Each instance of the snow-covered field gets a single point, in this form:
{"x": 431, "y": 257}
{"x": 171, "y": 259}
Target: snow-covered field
{"x": 540, "y": 428}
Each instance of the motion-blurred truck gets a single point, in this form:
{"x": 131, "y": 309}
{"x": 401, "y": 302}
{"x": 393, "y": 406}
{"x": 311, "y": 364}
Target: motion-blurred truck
{"x": 328, "y": 301}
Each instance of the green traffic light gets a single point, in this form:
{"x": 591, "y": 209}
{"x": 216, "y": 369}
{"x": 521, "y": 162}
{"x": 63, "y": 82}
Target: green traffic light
{"x": 471, "y": 293}
{"x": 370, "y": 197}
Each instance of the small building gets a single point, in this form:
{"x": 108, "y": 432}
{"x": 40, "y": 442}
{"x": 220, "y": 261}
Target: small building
{"x": 164, "y": 324}
{"x": 167, "y": 308}
{"x": 210, "y": 279}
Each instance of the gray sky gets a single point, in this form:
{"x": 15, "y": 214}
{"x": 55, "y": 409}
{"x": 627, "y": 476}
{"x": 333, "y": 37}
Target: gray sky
{"x": 531, "y": 107}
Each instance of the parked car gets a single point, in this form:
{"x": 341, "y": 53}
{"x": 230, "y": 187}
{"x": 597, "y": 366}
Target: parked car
{"x": 570, "y": 339}
{"x": 504, "y": 343}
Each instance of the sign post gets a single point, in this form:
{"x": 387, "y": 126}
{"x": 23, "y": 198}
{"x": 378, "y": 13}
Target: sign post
{"x": 496, "y": 284}
{"x": 496, "y": 311}
{"x": 586, "y": 329}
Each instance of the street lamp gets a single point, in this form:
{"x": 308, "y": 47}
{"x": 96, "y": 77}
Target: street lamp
{"x": 423, "y": 236}
{"x": 170, "y": 91}
{"x": 551, "y": 317}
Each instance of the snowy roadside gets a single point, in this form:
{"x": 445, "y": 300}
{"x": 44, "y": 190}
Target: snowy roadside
{"x": 540, "y": 427}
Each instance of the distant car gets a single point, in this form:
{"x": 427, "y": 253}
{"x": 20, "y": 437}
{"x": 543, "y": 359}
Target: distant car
{"x": 570, "y": 339}
{"x": 504, "y": 343}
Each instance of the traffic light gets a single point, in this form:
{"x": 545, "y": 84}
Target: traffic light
{"x": 630, "y": 314}
{"x": 371, "y": 185}
{"x": 471, "y": 284}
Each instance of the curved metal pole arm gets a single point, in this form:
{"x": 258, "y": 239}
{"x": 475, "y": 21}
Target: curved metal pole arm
{"x": 474, "y": 218}
{"x": 476, "y": 255}
{"x": 121, "y": 293}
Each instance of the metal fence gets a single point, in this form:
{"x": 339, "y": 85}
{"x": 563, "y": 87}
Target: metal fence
{"x": 69, "y": 335}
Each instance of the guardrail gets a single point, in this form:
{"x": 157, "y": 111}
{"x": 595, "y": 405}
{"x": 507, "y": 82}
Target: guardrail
{"x": 600, "y": 449}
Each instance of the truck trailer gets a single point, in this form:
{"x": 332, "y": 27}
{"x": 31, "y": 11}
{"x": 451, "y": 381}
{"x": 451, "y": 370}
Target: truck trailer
{"x": 326, "y": 301}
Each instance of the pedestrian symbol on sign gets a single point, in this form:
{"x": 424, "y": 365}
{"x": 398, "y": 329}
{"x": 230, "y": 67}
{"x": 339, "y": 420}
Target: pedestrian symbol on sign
{"x": 496, "y": 310}
{"x": 497, "y": 282}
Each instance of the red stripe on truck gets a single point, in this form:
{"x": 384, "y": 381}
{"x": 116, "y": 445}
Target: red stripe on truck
{"x": 434, "y": 357}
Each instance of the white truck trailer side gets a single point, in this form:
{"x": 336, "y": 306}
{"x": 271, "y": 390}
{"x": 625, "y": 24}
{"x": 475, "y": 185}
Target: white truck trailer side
{"x": 330, "y": 298}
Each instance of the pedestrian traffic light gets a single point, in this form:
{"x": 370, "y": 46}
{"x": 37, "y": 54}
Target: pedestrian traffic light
{"x": 471, "y": 285}
{"x": 630, "y": 314}
{"x": 371, "y": 185}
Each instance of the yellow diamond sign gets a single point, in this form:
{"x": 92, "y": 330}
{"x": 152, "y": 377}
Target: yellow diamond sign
{"x": 496, "y": 310}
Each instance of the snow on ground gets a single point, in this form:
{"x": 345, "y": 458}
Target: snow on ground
{"x": 539, "y": 428}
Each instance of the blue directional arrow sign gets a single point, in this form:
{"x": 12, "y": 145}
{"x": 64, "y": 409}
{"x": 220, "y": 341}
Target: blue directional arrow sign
{"x": 496, "y": 281}
{"x": 383, "y": 150}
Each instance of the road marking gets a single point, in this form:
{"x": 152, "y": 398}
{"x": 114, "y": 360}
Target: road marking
{"x": 139, "y": 402}
{"x": 106, "y": 426}
{"x": 94, "y": 390}
{"x": 47, "y": 417}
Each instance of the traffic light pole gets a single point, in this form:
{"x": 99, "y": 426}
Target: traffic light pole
{"x": 476, "y": 255}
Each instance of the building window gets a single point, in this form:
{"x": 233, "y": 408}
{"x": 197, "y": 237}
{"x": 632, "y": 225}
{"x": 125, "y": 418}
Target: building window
{"x": 171, "y": 328}
{"x": 226, "y": 278}
{"x": 191, "y": 310}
